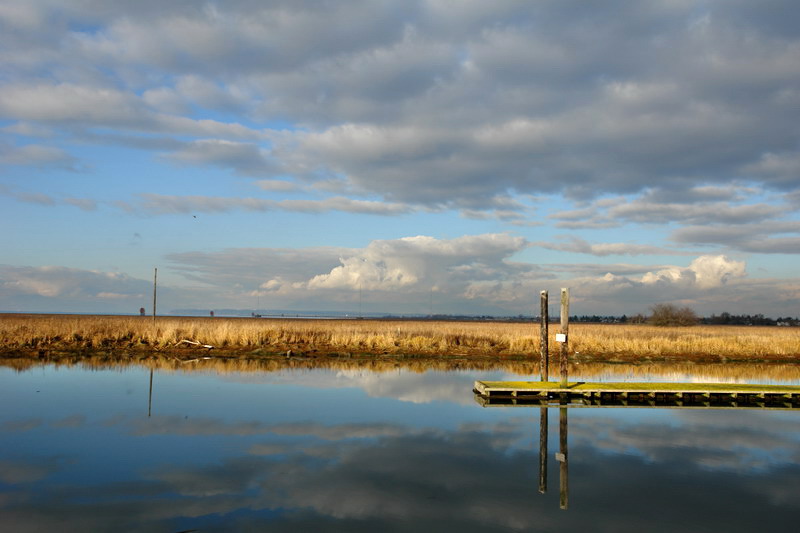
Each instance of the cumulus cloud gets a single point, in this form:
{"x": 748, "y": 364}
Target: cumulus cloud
{"x": 472, "y": 274}
{"x": 705, "y": 272}
{"x": 407, "y": 262}
{"x": 664, "y": 115}
{"x": 478, "y": 273}
{"x": 625, "y": 288}
{"x": 399, "y": 275}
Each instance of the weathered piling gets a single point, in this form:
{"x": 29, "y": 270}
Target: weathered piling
{"x": 564, "y": 336}
{"x": 544, "y": 349}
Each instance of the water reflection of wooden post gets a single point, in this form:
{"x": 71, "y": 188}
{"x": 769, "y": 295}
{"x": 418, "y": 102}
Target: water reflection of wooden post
{"x": 543, "y": 450}
{"x": 544, "y": 362}
{"x": 563, "y": 458}
{"x": 564, "y": 337}
{"x": 150, "y": 397}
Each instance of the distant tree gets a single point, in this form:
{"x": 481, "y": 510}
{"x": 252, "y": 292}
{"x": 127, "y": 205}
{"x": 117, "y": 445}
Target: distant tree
{"x": 141, "y": 311}
{"x": 742, "y": 320}
{"x": 638, "y": 318}
{"x": 672, "y": 315}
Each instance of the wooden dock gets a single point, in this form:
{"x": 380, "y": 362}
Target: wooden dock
{"x": 698, "y": 395}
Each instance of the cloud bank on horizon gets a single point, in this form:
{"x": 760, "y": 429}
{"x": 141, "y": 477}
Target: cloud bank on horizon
{"x": 412, "y": 155}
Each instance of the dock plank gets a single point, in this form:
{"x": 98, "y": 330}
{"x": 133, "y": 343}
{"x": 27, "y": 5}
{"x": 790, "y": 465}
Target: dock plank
{"x": 709, "y": 394}
{"x": 581, "y": 386}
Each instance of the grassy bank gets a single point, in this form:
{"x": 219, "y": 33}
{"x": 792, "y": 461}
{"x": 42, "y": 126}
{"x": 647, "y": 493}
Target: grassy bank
{"x": 50, "y": 335}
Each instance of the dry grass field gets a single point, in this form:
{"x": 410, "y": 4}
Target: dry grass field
{"x": 54, "y": 335}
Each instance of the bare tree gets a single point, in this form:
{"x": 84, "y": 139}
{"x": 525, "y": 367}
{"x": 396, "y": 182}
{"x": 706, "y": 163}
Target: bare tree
{"x": 672, "y": 315}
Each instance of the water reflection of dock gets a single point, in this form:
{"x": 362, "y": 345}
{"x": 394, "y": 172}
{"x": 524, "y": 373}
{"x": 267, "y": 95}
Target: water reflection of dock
{"x": 579, "y": 394}
{"x": 689, "y": 395}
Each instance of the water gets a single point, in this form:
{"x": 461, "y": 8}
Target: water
{"x": 352, "y": 450}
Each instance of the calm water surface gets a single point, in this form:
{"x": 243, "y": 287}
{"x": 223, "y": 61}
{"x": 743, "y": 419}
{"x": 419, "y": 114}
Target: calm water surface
{"x": 326, "y": 450}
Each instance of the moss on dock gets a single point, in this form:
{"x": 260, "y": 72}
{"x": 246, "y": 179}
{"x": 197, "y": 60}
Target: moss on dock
{"x": 691, "y": 388}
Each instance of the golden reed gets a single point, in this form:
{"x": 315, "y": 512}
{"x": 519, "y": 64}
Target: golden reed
{"x": 68, "y": 335}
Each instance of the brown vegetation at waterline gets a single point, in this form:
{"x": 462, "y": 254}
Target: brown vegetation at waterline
{"x": 242, "y": 364}
{"x": 50, "y": 335}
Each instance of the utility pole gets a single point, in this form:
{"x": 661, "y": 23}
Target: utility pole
{"x": 155, "y": 284}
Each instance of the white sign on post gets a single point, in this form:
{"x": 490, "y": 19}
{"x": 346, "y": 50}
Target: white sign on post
{"x": 561, "y": 337}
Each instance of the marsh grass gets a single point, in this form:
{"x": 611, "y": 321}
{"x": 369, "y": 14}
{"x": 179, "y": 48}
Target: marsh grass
{"x": 45, "y": 334}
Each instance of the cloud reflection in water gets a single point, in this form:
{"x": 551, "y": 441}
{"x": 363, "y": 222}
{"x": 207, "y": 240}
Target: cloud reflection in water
{"x": 338, "y": 463}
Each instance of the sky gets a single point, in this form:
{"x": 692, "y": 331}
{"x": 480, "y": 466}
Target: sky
{"x": 400, "y": 156}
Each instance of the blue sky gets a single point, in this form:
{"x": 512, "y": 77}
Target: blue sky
{"x": 293, "y": 154}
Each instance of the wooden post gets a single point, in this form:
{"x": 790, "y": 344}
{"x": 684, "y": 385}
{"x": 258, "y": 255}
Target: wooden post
{"x": 563, "y": 459}
{"x": 544, "y": 362}
{"x": 155, "y": 283}
{"x": 564, "y": 335}
{"x": 543, "y": 450}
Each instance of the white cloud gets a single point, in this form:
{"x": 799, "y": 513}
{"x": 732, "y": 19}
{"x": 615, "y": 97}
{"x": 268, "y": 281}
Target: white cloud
{"x": 244, "y": 158}
{"x": 471, "y": 274}
{"x": 37, "y": 156}
{"x": 478, "y": 273}
{"x": 705, "y": 272}
{"x": 412, "y": 261}
{"x": 81, "y": 106}
{"x": 276, "y": 185}
{"x": 782, "y": 167}
{"x": 766, "y": 237}
{"x": 716, "y": 270}
{"x": 578, "y": 245}
{"x": 657, "y": 117}
{"x": 85, "y": 204}
{"x": 68, "y": 287}
{"x": 408, "y": 101}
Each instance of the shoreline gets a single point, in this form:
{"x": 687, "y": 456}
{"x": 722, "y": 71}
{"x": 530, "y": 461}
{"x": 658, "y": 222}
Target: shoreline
{"x": 120, "y": 337}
